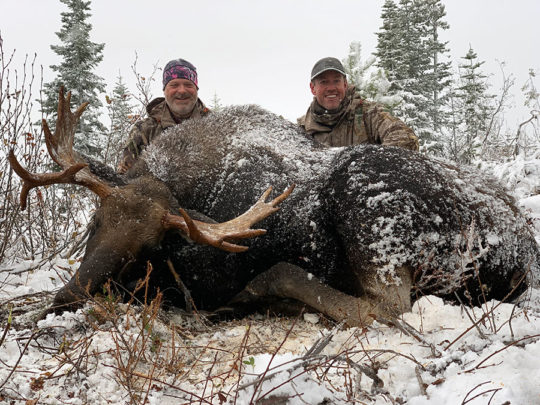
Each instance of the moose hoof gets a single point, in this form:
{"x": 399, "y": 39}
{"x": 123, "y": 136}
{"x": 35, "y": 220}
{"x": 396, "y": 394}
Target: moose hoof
{"x": 278, "y": 281}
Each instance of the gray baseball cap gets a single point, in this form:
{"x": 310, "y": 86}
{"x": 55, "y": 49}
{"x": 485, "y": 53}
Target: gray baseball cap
{"x": 327, "y": 64}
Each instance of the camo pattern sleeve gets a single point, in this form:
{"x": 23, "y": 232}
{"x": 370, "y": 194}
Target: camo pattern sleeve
{"x": 386, "y": 129}
{"x": 139, "y": 138}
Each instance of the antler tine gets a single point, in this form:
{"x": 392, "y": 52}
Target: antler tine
{"x": 60, "y": 147}
{"x": 238, "y": 228}
{"x": 31, "y": 180}
{"x": 198, "y": 232}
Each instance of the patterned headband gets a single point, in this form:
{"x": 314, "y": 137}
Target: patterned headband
{"x": 179, "y": 69}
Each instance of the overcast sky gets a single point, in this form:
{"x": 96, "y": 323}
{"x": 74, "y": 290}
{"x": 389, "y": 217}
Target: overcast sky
{"x": 252, "y": 51}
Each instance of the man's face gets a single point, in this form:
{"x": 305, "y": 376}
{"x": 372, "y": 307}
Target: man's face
{"x": 181, "y": 96}
{"x": 329, "y": 89}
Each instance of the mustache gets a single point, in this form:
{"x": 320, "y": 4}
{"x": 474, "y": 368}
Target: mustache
{"x": 184, "y": 97}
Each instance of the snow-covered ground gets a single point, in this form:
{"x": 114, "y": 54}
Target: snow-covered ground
{"x": 110, "y": 353}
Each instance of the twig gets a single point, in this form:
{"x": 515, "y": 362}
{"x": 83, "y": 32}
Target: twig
{"x": 366, "y": 351}
{"x": 38, "y": 264}
{"x": 140, "y": 375}
{"x": 494, "y": 390}
{"x": 421, "y": 382}
{"x": 7, "y": 326}
{"x": 78, "y": 245}
{"x": 491, "y": 311}
{"x": 469, "y": 316}
{"x": 323, "y": 341}
{"x": 500, "y": 350}
{"x": 313, "y": 354}
{"x": 190, "y": 304}
{"x": 33, "y": 336}
{"x": 410, "y": 331}
{"x": 262, "y": 378}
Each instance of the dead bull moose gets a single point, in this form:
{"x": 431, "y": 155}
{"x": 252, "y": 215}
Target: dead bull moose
{"x": 365, "y": 229}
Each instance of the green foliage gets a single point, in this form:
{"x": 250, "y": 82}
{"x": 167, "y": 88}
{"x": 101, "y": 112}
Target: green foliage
{"x": 250, "y": 362}
{"x": 79, "y": 57}
{"x": 370, "y": 81}
{"x": 416, "y": 62}
{"x": 122, "y": 118}
{"x": 472, "y": 110}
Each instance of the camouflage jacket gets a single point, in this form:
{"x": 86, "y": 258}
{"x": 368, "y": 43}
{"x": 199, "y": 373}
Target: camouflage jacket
{"x": 358, "y": 121}
{"x": 145, "y": 131}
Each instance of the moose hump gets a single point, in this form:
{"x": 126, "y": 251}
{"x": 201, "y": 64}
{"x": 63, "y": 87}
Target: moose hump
{"x": 355, "y": 210}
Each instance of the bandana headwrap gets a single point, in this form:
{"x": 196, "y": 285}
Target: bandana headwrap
{"x": 179, "y": 69}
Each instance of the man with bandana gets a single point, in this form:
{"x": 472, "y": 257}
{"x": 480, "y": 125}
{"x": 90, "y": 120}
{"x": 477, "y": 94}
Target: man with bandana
{"x": 338, "y": 116}
{"x": 181, "y": 102}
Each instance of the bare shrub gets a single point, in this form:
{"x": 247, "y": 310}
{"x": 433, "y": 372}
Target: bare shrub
{"x": 55, "y": 216}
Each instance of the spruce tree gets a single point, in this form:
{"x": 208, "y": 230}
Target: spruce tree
{"x": 388, "y": 52}
{"x": 79, "y": 57}
{"x": 412, "y": 68}
{"x": 216, "y": 105}
{"x": 474, "y": 108}
{"x": 122, "y": 119}
{"x": 439, "y": 75}
{"x": 370, "y": 81}
{"x": 412, "y": 56}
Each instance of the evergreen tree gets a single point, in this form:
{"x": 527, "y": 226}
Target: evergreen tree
{"x": 79, "y": 57}
{"x": 122, "y": 119}
{"x": 453, "y": 144}
{"x": 371, "y": 82}
{"x": 216, "y": 103}
{"x": 473, "y": 108}
{"x": 439, "y": 75}
{"x": 411, "y": 53}
{"x": 388, "y": 51}
{"x": 411, "y": 69}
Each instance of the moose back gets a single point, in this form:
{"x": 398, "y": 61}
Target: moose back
{"x": 365, "y": 227}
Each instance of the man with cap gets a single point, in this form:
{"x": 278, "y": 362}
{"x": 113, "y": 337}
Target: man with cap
{"x": 338, "y": 116}
{"x": 181, "y": 102}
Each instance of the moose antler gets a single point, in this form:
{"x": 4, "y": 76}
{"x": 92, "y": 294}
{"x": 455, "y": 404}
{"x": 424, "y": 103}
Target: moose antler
{"x": 237, "y": 228}
{"x": 60, "y": 147}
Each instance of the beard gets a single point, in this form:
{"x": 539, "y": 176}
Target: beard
{"x": 182, "y": 105}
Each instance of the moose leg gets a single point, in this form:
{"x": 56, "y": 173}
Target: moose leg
{"x": 289, "y": 281}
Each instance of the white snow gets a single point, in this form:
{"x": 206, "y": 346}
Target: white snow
{"x": 487, "y": 355}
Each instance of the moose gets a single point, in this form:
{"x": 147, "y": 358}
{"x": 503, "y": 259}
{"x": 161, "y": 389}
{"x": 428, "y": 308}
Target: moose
{"x": 366, "y": 229}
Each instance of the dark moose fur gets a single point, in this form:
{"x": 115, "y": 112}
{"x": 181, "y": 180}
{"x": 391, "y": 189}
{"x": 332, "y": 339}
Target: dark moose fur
{"x": 356, "y": 215}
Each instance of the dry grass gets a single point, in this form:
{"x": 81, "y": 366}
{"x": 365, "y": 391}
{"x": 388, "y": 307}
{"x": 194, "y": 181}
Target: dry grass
{"x": 144, "y": 350}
